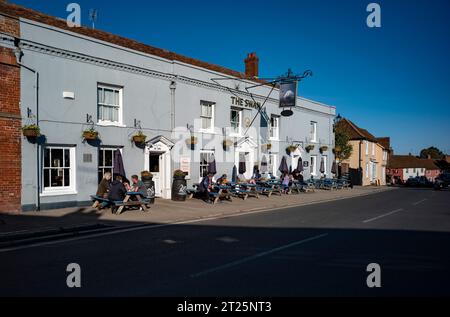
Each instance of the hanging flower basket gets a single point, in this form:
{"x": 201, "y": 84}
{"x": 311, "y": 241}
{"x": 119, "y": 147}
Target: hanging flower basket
{"x": 179, "y": 174}
{"x": 227, "y": 144}
{"x": 191, "y": 141}
{"x": 309, "y": 148}
{"x": 291, "y": 148}
{"x": 31, "y": 131}
{"x": 139, "y": 138}
{"x": 90, "y": 134}
{"x": 323, "y": 149}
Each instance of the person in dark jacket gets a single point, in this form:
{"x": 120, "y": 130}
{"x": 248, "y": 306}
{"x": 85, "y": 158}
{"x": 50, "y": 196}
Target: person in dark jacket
{"x": 117, "y": 190}
{"x": 206, "y": 186}
{"x": 103, "y": 187}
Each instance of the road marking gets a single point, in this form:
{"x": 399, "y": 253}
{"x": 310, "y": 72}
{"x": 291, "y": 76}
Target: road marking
{"x": 419, "y": 202}
{"x": 256, "y": 256}
{"x": 383, "y": 215}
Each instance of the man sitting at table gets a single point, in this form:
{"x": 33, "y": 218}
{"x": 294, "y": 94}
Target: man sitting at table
{"x": 138, "y": 185}
{"x": 205, "y": 186}
{"x": 117, "y": 190}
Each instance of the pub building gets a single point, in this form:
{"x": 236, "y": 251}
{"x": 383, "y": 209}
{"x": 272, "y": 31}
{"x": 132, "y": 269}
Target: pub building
{"x": 72, "y": 79}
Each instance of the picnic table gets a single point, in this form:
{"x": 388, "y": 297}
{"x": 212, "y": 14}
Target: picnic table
{"x": 139, "y": 200}
{"x": 131, "y": 199}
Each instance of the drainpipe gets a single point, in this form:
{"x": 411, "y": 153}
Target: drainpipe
{"x": 360, "y": 159}
{"x": 173, "y": 86}
{"x": 18, "y": 52}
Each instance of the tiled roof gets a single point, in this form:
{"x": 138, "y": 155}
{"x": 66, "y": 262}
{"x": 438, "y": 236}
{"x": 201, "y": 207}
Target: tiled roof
{"x": 385, "y": 142}
{"x": 355, "y": 132}
{"x": 22, "y": 12}
{"x": 409, "y": 161}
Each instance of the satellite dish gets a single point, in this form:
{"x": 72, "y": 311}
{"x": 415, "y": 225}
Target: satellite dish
{"x": 287, "y": 113}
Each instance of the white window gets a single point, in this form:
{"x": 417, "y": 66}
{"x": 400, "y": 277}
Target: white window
{"x": 205, "y": 157}
{"x": 236, "y": 121}
{"x": 325, "y": 164}
{"x": 109, "y": 102}
{"x": 105, "y": 161}
{"x": 58, "y": 170}
{"x": 272, "y": 164}
{"x": 373, "y": 148}
{"x": 274, "y": 127}
{"x": 384, "y": 155}
{"x": 366, "y": 143}
{"x": 367, "y": 170}
{"x": 313, "y": 131}
{"x": 207, "y": 115}
{"x": 312, "y": 165}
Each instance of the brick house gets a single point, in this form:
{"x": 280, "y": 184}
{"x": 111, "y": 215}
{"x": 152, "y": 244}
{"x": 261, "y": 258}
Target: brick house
{"x": 402, "y": 167}
{"x": 10, "y": 120}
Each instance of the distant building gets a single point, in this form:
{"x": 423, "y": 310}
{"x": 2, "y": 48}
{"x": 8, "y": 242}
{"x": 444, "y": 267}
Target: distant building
{"x": 402, "y": 167}
{"x": 367, "y": 164}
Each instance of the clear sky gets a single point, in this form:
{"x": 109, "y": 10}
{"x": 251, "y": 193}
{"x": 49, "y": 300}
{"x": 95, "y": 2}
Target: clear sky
{"x": 393, "y": 81}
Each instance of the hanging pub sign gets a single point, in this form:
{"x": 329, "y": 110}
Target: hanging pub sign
{"x": 288, "y": 94}
{"x": 288, "y": 97}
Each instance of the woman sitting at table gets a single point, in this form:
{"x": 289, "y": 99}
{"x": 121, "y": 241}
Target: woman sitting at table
{"x": 222, "y": 180}
{"x": 103, "y": 187}
{"x": 117, "y": 190}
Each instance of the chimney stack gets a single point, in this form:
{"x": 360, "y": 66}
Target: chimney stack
{"x": 251, "y": 65}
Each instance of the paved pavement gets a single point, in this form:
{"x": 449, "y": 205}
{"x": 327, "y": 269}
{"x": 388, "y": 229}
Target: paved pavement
{"x": 311, "y": 250}
{"x": 164, "y": 211}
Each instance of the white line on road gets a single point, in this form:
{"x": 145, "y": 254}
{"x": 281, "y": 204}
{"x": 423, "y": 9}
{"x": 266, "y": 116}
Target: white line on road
{"x": 419, "y": 202}
{"x": 383, "y": 215}
{"x": 259, "y": 255}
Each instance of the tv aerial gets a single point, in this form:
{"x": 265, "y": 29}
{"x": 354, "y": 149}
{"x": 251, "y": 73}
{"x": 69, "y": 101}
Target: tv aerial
{"x": 93, "y": 13}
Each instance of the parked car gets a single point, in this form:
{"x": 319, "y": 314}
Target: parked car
{"x": 418, "y": 181}
{"x": 442, "y": 181}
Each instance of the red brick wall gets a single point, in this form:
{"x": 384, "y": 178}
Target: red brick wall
{"x": 10, "y": 123}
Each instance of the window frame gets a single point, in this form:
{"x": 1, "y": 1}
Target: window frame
{"x": 373, "y": 148}
{"x": 213, "y": 106}
{"x": 313, "y": 136}
{"x": 59, "y": 190}
{"x": 325, "y": 164}
{"x": 109, "y": 148}
{"x": 366, "y": 144}
{"x": 200, "y": 165}
{"x": 120, "y": 107}
{"x": 272, "y": 135}
{"x": 313, "y": 167}
{"x": 240, "y": 116}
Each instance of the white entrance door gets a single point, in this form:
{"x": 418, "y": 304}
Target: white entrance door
{"x": 155, "y": 166}
{"x": 157, "y": 161}
{"x": 246, "y": 148}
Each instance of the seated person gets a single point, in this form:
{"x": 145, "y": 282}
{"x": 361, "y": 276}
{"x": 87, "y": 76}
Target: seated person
{"x": 222, "y": 180}
{"x": 117, "y": 190}
{"x": 285, "y": 182}
{"x": 252, "y": 181}
{"x": 205, "y": 186}
{"x": 138, "y": 185}
{"x": 103, "y": 187}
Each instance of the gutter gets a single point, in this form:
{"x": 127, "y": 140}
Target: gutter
{"x": 18, "y": 52}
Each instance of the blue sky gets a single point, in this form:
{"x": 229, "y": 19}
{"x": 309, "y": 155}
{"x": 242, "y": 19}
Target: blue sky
{"x": 393, "y": 81}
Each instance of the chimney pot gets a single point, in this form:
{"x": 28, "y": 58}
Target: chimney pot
{"x": 251, "y": 65}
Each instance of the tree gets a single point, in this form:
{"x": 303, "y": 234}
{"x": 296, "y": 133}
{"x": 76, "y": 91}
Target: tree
{"x": 342, "y": 149}
{"x": 433, "y": 152}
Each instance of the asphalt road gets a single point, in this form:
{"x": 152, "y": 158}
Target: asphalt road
{"x": 316, "y": 250}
